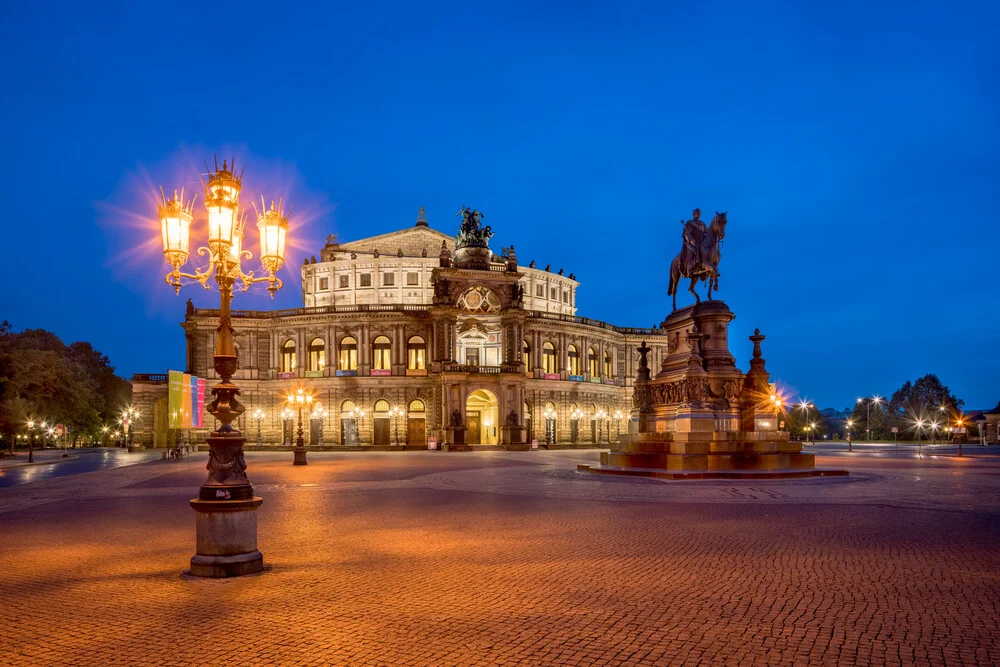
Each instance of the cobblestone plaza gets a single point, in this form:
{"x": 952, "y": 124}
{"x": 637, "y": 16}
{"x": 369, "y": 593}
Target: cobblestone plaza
{"x": 511, "y": 558}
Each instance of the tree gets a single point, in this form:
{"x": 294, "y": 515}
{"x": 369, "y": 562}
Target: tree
{"x": 44, "y": 379}
{"x": 927, "y": 399}
{"x": 798, "y": 418}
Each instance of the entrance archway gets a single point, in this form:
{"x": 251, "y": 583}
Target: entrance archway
{"x": 482, "y": 410}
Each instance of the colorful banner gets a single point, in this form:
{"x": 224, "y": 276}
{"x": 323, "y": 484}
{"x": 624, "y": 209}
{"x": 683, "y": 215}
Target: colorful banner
{"x": 185, "y": 400}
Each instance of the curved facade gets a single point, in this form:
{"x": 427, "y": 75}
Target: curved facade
{"x": 397, "y": 321}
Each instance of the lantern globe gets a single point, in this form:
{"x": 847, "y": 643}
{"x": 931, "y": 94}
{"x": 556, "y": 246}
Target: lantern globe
{"x": 175, "y": 227}
{"x": 273, "y": 227}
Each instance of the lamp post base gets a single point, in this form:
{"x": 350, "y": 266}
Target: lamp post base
{"x": 226, "y": 538}
{"x": 300, "y": 457}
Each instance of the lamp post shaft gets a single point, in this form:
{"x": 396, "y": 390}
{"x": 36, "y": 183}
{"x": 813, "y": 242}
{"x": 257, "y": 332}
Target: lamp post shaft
{"x": 299, "y": 458}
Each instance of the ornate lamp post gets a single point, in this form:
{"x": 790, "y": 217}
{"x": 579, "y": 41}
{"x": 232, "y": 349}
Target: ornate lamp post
{"x": 300, "y": 399}
{"x": 601, "y": 416}
{"x": 226, "y": 505}
{"x": 550, "y": 419}
{"x": 129, "y": 415}
{"x": 619, "y": 415}
{"x": 287, "y": 415}
{"x": 31, "y": 441}
{"x": 319, "y": 413}
{"x": 577, "y": 415}
{"x": 358, "y": 415}
{"x": 257, "y": 416}
{"x": 850, "y": 424}
{"x": 920, "y": 429}
{"x": 396, "y": 413}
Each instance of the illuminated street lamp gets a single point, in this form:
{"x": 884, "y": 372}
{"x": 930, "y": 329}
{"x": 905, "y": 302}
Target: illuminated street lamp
{"x": 601, "y": 415}
{"x": 577, "y": 416}
{"x": 232, "y": 541}
{"x": 320, "y": 413}
{"x": 920, "y": 428}
{"x": 619, "y": 415}
{"x": 300, "y": 399}
{"x": 287, "y": 415}
{"x": 550, "y": 426}
{"x": 129, "y": 415}
{"x": 934, "y": 428}
{"x": 31, "y": 441}
{"x": 850, "y": 424}
{"x": 395, "y": 414}
{"x": 876, "y": 399}
{"x": 358, "y": 415}
{"x": 808, "y": 429}
{"x": 257, "y": 416}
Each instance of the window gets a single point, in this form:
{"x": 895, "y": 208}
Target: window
{"x": 382, "y": 349}
{"x": 416, "y": 353}
{"x": 317, "y": 354}
{"x": 348, "y": 354}
{"x": 388, "y": 279}
{"x": 381, "y": 407}
{"x": 607, "y": 365}
{"x": 549, "y": 358}
{"x": 344, "y": 281}
{"x": 555, "y": 294}
{"x": 366, "y": 280}
{"x": 592, "y": 362}
{"x": 540, "y": 291}
{"x": 412, "y": 278}
{"x": 573, "y": 359}
{"x": 416, "y": 406}
{"x": 565, "y": 297}
{"x": 288, "y": 356}
{"x": 526, "y": 353}
{"x": 324, "y": 284}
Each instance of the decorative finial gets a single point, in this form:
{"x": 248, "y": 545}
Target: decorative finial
{"x": 421, "y": 218}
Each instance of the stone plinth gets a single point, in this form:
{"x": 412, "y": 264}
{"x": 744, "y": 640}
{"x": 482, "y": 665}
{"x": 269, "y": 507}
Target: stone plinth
{"x": 699, "y": 416}
{"x": 226, "y": 538}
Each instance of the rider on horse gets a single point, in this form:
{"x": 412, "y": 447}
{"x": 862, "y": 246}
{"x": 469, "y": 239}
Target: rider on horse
{"x": 694, "y": 232}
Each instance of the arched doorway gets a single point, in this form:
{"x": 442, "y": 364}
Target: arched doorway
{"x": 349, "y": 424}
{"x": 416, "y": 433}
{"x": 482, "y": 410}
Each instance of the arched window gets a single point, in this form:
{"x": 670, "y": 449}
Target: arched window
{"x": 607, "y": 365}
{"x": 288, "y": 362}
{"x": 573, "y": 360}
{"x": 346, "y": 407}
{"x": 381, "y": 407}
{"x": 317, "y": 354}
{"x": 348, "y": 354}
{"x": 416, "y": 406}
{"x": 592, "y": 362}
{"x": 549, "y": 358}
{"x": 382, "y": 349}
{"x": 416, "y": 353}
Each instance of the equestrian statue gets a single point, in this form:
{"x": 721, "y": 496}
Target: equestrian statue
{"x": 699, "y": 255}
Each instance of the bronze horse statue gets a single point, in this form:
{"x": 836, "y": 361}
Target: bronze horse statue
{"x": 687, "y": 265}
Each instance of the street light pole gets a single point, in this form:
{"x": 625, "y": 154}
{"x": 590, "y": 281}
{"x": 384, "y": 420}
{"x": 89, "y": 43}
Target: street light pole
{"x": 300, "y": 398}
{"x": 226, "y": 505}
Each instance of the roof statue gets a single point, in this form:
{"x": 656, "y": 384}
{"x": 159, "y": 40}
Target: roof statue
{"x": 472, "y": 233}
{"x": 700, "y": 254}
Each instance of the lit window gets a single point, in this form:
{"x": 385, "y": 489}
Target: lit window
{"x": 592, "y": 362}
{"x": 288, "y": 356}
{"x": 549, "y": 358}
{"x": 317, "y": 354}
{"x": 607, "y": 365}
{"x": 348, "y": 354}
{"x": 382, "y": 349}
{"x": 416, "y": 353}
{"x": 573, "y": 359}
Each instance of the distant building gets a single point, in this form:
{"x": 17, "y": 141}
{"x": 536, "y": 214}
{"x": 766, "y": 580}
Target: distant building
{"x": 452, "y": 336}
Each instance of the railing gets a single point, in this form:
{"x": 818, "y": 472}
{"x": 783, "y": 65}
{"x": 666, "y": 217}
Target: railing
{"x": 152, "y": 378}
{"x": 485, "y": 370}
{"x": 421, "y": 308}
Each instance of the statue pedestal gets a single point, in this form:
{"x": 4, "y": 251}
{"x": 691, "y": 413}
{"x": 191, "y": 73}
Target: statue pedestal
{"x": 226, "y": 538}
{"x": 513, "y": 438}
{"x": 698, "y": 418}
{"x": 456, "y": 440}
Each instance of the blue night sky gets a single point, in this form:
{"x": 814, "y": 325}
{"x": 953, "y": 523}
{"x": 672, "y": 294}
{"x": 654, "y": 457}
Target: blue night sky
{"x": 852, "y": 146}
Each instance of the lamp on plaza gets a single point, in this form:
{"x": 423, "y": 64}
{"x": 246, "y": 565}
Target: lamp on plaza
{"x": 300, "y": 399}
{"x": 129, "y": 415}
{"x": 287, "y": 415}
{"x": 358, "y": 415}
{"x": 31, "y": 441}
{"x": 319, "y": 413}
{"x": 919, "y": 424}
{"x": 805, "y": 406}
{"x": 225, "y": 547}
{"x": 850, "y": 425}
{"x": 577, "y": 416}
{"x": 396, "y": 413}
{"x": 934, "y": 428}
{"x": 809, "y": 429}
{"x": 550, "y": 425}
{"x": 257, "y": 416}
{"x": 619, "y": 415}
{"x": 601, "y": 415}
{"x": 876, "y": 399}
